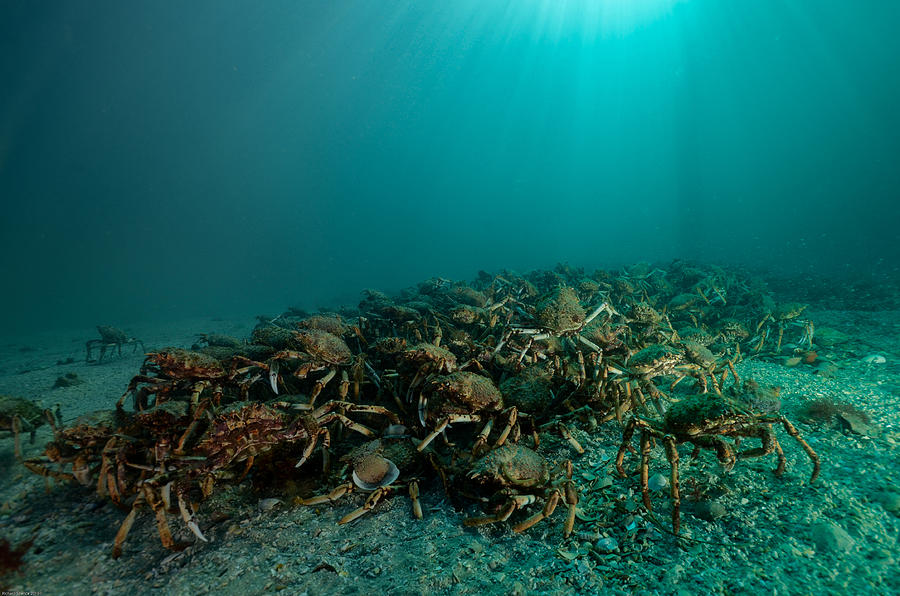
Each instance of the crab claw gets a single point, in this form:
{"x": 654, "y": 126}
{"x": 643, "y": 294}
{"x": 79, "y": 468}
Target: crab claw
{"x": 273, "y": 376}
{"x": 189, "y": 520}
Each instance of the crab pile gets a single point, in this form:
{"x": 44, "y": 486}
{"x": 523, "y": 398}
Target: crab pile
{"x": 448, "y": 382}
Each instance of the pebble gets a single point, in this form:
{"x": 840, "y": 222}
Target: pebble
{"x": 874, "y": 359}
{"x": 890, "y": 501}
{"x": 606, "y": 545}
{"x": 854, "y": 423}
{"x": 268, "y": 504}
{"x": 710, "y": 510}
{"x": 830, "y": 537}
{"x": 658, "y": 482}
{"x": 826, "y": 369}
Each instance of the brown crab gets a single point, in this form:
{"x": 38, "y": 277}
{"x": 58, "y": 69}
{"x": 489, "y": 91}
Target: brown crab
{"x": 320, "y": 350}
{"x": 18, "y": 415}
{"x": 462, "y": 396}
{"x": 703, "y": 420}
{"x": 782, "y": 315}
{"x": 176, "y": 370}
{"x": 235, "y": 437}
{"x": 513, "y": 477}
{"x": 701, "y": 363}
{"x": 80, "y": 446}
{"x": 427, "y": 359}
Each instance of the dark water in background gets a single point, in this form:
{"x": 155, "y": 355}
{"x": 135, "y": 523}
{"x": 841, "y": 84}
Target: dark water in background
{"x": 164, "y": 159}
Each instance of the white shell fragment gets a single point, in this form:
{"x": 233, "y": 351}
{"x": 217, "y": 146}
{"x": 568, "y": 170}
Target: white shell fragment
{"x": 389, "y": 476}
{"x": 874, "y": 359}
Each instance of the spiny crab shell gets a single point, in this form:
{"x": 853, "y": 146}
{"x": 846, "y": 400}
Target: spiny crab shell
{"x": 698, "y": 353}
{"x": 511, "y": 465}
{"x": 177, "y": 363}
{"x": 654, "y": 360}
{"x": 324, "y": 346}
{"x": 462, "y": 392}
{"x": 561, "y": 311}
{"x": 26, "y": 410}
{"x": 333, "y": 324}
{"x": 696, "y": 413}
{"x": 788, "y": 311}
{"x": 424, "y": 353}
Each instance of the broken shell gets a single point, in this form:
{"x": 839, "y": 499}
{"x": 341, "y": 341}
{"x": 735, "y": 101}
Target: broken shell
{"x": 373, "y": 472}
{"x": 395, "y": 431}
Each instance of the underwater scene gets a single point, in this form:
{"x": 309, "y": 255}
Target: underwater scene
{"x": 461, "y": 297}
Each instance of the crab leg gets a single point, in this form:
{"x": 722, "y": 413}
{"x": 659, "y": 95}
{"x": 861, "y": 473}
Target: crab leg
{"x": 320, "y": 385}
{"x": 512, "y": 416}
{"x": 443, "y": 424}
{"x": 624, "y": 446}
{"x": 414, "y": 498}
{"x": 672, "y": 456}
{"x": 645, "y": 465}
{"x": 311, "y": 445}
{"x": 571, "y": 503}
{"x": 17, "y": 430}
{"x": 331, "y": 497}
{"x": 567, "y": 435}
{"x": 482, "y": 438}
{"x": 809, "y": 450}
{"x": 122, "y": 534}
{"x": 547, "y": 511}
{"x": 370, "y": 503}
{"x": 514, "y": 502}
{"x": 162, "y": 525}
{"x": 187, "y": 515}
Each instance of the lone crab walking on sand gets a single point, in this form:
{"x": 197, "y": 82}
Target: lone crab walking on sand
{"x": 110, "y": 337}
{"x": 703, "y": 420}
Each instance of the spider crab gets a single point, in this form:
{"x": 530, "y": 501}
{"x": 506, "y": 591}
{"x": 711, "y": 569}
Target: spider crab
{"x": 235, "y": 438}
{"x": 319, "y": 350}
{"x": 376, "y": 467}
{"x": 462, "y": 396}
{"x": 513, "y": 477}
{"x": 703, "y": 420}
{"x": 175, "y": 371}
{"x": 110, "y": 337}
{"x": 18, "y": 414}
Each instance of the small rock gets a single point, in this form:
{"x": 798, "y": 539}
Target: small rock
{"x": 658, "y": 482}
{"x": 826, "y": 369}
{"x": 828, "y": 536}
{"x": 710, "y": 510}
{"x": 68, "y": 380}
{"x": 268, "y": 504}
{"x": 792, "y": 361}
{"x": 855, "y": 423}
{"x": 606, "y": 545}
{"x": 890, "y": 501}
{"x": 826, "y": 336}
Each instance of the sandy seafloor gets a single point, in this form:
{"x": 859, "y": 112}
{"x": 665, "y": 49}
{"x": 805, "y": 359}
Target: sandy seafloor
{"x": 770, "y": 535}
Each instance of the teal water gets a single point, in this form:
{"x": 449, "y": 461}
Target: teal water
{"x": 164, "y": 159}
